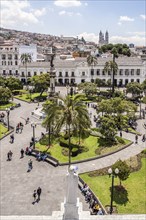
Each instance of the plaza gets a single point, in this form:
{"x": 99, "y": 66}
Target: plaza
{"x": 17, "y": 185}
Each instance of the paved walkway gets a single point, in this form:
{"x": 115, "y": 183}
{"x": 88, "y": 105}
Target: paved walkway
{"x": 17, "y": 185}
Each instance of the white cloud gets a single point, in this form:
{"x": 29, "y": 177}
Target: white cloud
{"x": 143, "y": 17}
{"x": 119, "y": 23}
{"x": 18, "y": 13}
{"x": 89, "y": 36}
{"x": 126, "y": 18}
{"x": 136, "y": 39}
{"x": 142, "y": 33}
{"x": 67, "y": 3}
{"x": 69, "y": 13}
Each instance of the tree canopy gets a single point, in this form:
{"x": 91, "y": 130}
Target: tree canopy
{"x": 5, "y": 95}
{"x": 41, "y": 82}
{"x": 124, "y": 170}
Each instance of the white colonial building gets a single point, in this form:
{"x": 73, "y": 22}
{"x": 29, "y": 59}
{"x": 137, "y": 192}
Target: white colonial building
{"x": 73, "y": 70}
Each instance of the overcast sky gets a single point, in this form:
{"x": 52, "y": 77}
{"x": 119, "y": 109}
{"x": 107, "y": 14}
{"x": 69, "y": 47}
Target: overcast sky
{"x": 125, "y": 20}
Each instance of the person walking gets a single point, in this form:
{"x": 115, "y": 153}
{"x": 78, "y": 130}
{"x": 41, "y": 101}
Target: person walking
{"x": 8, "y": 156}
{"x": 34, "y": 196}
{"x": 121, "y": 134}
{"x": 136, "y": 139}
{"x": 143, "y": 138}
{"x": 39, "y": 191}
{"x": 22, "y": 153}
{"x": 29, "y": 165}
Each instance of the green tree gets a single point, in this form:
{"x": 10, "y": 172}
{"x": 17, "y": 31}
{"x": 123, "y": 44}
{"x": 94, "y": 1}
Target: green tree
{"x": 124, "y": 170}
{"x": 108, "y": 127}
{"x": 41, "y": 82}
{"x": 25, "y": 59}
{"x": 92, "y": 61}
{"x": 70, "y": 111}
{"x": 134, "y": 88}
{"x": 144, "y": 86}
{"x": 5, "y": 95}
{"x": 14, "y": 83}
{"x": 88, "y": 88}
{"x": 2, "y": 81}
{"x": 100, "y": 82}
{"x": 111, "y": 66}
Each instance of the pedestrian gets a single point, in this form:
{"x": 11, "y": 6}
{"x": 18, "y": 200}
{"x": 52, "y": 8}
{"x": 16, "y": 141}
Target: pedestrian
{"x": 136, "y": 139}
{"x": 29, "y": 165}
{"x": 121, "y": 134}
{"x": 39, "y": 191}
{"x": 34, "y": 196}
{"x": 22, "y": 153}
{"x": 12, "y": 138}
{"x": 10, "y": 155}
{"x": 143, "y": 138}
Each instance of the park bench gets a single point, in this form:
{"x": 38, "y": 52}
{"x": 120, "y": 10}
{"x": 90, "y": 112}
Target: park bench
{"x": 48, "y": 159}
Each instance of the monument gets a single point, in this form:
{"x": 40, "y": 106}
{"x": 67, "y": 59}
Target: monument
{"x": 52, "y": 73}
{"x": 71, "y": 204}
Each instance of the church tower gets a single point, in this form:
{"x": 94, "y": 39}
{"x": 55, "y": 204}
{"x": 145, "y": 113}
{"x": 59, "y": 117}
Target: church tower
{"x": 106, "y": 37}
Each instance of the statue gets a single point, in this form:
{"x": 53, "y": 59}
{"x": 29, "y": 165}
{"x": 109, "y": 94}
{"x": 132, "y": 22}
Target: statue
{"x": 71, "y": 203}
{"x": 51, "y": 61}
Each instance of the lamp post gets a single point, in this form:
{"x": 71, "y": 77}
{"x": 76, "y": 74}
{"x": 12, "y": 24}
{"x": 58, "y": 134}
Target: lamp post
{"x": 112, "y": 173}
{"x": 8, "y": 114}
{"x": 33, "y": 125}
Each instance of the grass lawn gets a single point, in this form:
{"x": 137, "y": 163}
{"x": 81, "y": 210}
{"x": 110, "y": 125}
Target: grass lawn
{"x": 91, "y": 145}
{"x": 27, "y": 96}
{"x": 132, "y": 200}
{"x": 3, "y": 130}
{"x": 3, "y": 107}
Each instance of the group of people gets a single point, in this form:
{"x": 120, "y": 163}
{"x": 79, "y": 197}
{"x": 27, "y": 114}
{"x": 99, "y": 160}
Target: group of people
{"x": 36, "y": 195}
{"x": 19, "y": 127}
{"x": 89, "y": 198}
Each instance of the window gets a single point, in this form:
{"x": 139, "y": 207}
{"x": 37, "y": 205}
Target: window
{"x": 9, "y": 56}
{"x": 16, "y": 57}
{"x": 126, "y": 72}
{"x": 109, "y": 73}
{"x": 29, "y": 75}
{"x": 66, "y": 74}
{"x": 22, "y": 74}
{"x": 132, "y": 80}
{"x": 4, "y": 72}
{"x": 3, "y": 56}
{"x": 35, "y": 73}
{"x": 60, "y": 74}
{"x": 16, "y": 63}
{"x": 83, "y": 73}
{"x": 98, "y": 72}
{"x": 72, "y": 74}
{"x": 92, "y": 72}
{"x": 103, "y": 72}
{"x": 10, "y": 72}
{"x": 132, "y": 71}
{"x": 138, "y": 72}
{"x": 16, "y": 72}
{"x": 121, "y": 72}
{"x": 138, "y": 80}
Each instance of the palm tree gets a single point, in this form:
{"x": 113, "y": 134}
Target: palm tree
{"x": 116, "y": 50}
{"x": 72, "y": 112}
{"x": 25, "y": 59}
{"x": 92, "y": 61}
{"x": 111, "y": 66}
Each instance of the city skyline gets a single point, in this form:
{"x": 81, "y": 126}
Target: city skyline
{"x": 124, "y": 20}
